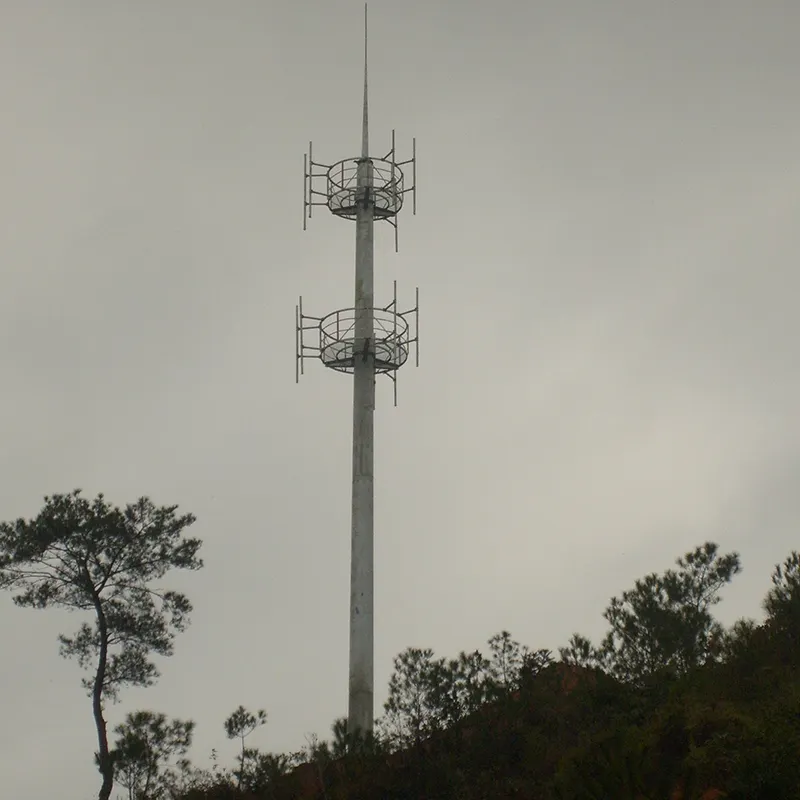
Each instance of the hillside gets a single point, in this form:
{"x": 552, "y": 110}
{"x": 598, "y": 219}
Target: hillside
{"x": 729, "y": 729}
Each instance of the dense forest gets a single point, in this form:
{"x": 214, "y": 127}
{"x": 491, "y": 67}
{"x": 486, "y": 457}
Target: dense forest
{"x": 670, "y": 705}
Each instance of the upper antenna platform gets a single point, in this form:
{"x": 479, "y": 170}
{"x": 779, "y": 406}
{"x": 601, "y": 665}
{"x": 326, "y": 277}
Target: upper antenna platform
{"x": 343, "y": 193}
{"x": 378, "y": 184}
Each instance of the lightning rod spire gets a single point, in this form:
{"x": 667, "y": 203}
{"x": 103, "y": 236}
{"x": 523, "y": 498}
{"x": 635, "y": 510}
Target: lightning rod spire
{"x": 365, "y": 121}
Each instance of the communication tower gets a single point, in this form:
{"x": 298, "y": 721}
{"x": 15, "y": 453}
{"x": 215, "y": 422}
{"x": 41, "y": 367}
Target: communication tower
{"x": 365, "y": 341}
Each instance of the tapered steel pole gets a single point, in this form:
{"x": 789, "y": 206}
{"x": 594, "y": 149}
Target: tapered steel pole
{"x": 362, "y": 629}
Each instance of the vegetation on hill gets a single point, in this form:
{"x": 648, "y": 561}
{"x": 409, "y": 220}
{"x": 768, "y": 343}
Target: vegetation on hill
{"x": 670, "y": 705}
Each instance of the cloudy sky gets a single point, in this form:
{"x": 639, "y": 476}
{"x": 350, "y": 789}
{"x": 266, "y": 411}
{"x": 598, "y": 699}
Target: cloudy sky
{"x": 606, "y": 247}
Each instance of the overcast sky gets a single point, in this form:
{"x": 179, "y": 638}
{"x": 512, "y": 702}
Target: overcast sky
{"x": 606, "y": 247}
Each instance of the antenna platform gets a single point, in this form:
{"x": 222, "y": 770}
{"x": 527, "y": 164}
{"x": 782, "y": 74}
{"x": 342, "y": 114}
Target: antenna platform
{"x": 385, "y": 187}
{"x": 333, "y": 339}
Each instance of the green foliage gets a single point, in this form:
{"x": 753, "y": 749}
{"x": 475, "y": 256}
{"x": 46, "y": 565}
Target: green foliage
{"x": 748, "y": 748}
{"x": 358, "y": 742}
{"x": 471, "y": 681}
{"x": 534, "y": 662}
{"x": 579, "y": 652}
{"x": 782, "y": 605}
{"x": 737, "y": 639}
{"x": 92, "y": 557}
{"x": 148, "y": 753}
{"x": 414, "y": 693}
{"x": 665, "y": 623}
{"x": 506, "y": 663}
{"x": 660, "y": 709}
{"x": 341, "y": 743}
{"x": 239, "y": 725}
{"x": 428, "y": 694}
{"x": 259, "y": 770}
{"x": 613, "y": 764}
{"x": 784, "y": 596}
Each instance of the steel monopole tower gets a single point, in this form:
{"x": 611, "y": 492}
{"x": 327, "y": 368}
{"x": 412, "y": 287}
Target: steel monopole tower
{"x": 364, "y": 341}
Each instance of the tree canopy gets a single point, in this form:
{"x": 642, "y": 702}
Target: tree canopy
{"x": 148, "y": 753}
{"x": 87, "y": 555}
{"x": 665, "y": 622}
{"x": 239, "y": 725}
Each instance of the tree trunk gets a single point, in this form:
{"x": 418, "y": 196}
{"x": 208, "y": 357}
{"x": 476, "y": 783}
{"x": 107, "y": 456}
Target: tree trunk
{"x": 104, "y": 755}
